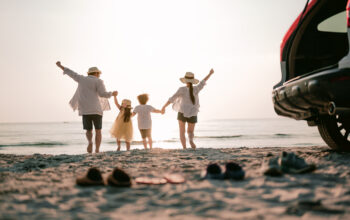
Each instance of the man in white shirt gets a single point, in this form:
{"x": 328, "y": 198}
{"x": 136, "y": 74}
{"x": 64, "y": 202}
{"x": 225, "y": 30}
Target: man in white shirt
{"x": 91, "y": 99}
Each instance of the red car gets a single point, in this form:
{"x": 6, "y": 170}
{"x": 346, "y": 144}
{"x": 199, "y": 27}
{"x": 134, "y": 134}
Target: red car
{"x": 315, "y": 64}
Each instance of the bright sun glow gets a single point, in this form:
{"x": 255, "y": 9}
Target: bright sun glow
{"x": 141, "y": 46}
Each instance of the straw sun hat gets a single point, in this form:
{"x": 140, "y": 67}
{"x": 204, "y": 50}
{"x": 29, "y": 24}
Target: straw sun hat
{"x": 127, "y": 102}
{"x": 189, "y": 78}
{"x": 94, "y": 70}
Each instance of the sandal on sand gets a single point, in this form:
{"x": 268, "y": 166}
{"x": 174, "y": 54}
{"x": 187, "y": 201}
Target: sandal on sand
{"x": 174, "y": 178}
{"x": 213, "y": 172}
{"x": 92, "y": 178}
{"x": 270, "y": 167}
{"x": 150, "y": 180}
{"x": 291, "y": 163}
{"x": 119, "y": 178}
{"x": 234, "y": 171}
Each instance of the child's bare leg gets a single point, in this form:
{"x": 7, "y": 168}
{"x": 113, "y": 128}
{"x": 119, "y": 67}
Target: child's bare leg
{"x": 98, "y": 138}
{"x": 190, "y": 132}
{"x": 89, "y": 138}
{"x": 182, "y": 130}
{"x": 118, "y": 143}
{"x": 150, "y": 142}
{"x": 144, "y": 141}
{"x": 127, "y": 145}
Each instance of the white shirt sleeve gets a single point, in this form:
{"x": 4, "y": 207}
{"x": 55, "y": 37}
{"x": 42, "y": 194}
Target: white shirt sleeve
{"x": 136, "y": 109}
{"x": 101, "y": 90}
{"x": 75, "y": 76}
{"x": 175, "y": 96}
{"x": 201, "y": 85}
{"x": 151, "y": 108}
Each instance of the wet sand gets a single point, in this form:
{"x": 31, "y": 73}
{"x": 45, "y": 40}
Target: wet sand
{"x": 43, "y": 186}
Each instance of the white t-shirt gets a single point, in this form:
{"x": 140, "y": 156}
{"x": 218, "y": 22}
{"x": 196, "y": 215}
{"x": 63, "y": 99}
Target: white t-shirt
{"x": 144, "y": 116}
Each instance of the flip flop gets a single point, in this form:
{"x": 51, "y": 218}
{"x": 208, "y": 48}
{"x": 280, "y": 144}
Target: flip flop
{"x": 150, "y": 180}
{"x": 93, "y": 177}
{"x": 213, "y": 171}
{"x": 174, "y": 178}
{"x": 119, "y": 178}
{"x": 234, "y": 171}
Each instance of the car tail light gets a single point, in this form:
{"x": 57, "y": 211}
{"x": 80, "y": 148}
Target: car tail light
{"x": 341, "y": 78}
{"x": 347, "y": 13}
{"x": 309, "y": 5}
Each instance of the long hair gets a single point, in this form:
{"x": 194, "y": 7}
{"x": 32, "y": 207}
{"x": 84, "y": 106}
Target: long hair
{"x": 193, "y": 99}
{"x": 127, "y": 114}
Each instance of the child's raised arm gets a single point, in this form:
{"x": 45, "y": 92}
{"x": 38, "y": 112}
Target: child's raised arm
{"x": 116, "y": 101}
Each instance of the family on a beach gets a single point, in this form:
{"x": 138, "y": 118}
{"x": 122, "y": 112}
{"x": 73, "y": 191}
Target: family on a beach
{"x": 91, "y": 99}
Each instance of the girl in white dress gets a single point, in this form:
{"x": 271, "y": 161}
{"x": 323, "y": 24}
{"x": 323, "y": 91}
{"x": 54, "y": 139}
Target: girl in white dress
{"x": 186, "y": 103}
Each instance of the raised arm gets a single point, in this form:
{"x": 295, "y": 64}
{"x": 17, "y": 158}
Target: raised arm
{"x": 116, "y": 101}
{"x": 58, "y": 63}
{"x": 75, "y": 76}
{"x": 208, "y": 76}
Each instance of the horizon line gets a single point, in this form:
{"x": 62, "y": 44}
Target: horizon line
{"x": 76, "y": 121}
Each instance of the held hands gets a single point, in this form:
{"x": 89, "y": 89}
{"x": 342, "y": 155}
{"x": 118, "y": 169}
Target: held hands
{"x": 163, "y": 111}
{"x": 114, "y": 93}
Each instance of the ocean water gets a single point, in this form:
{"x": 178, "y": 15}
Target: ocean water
{"x": 69, "y": 137}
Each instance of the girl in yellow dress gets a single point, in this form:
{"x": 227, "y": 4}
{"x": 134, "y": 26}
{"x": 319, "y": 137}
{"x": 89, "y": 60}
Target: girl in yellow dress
{"x": 122, "y": 126}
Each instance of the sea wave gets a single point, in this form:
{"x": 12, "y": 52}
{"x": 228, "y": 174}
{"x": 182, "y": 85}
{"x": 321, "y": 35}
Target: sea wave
{"x": 221, "y": 137}
{"x": 282, "y": 135}
{"x": 37, "y": 144}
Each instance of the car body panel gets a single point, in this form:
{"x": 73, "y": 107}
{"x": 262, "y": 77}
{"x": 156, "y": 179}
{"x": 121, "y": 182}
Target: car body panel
{"x": 311, "y": 75}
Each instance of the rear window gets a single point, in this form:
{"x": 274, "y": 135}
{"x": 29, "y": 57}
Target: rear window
{"x": 335, "y": 24}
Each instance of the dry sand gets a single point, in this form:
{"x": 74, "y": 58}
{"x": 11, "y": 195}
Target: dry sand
{"x": 43, "y": 186}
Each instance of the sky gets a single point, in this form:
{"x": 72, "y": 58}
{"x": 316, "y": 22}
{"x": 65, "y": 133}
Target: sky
{"x": 141, "y": 47}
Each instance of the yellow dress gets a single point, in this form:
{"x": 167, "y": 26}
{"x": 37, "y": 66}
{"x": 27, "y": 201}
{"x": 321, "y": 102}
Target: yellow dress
{"x": 120, "y": 129}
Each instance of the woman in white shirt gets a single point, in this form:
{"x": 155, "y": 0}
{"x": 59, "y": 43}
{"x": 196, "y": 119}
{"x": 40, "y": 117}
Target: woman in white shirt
{"x": 186, "y": 103}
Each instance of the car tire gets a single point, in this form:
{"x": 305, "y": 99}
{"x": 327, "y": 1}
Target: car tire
{"x": 335, "y": 131}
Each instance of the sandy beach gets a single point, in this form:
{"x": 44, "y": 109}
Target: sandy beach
{"x": 43, "y": 186}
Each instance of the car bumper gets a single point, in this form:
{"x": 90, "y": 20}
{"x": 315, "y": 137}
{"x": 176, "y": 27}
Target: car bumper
{"x": 310, "y": 96}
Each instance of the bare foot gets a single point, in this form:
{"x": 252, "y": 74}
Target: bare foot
{"x": 118, "y": 149}
{"x": 193, "y": 145}
{"x": 89, "y": 148}
{"x": 97, "y": 150}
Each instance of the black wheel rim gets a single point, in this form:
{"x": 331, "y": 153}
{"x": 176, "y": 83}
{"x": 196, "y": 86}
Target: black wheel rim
{"x": 343, "y": 125}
